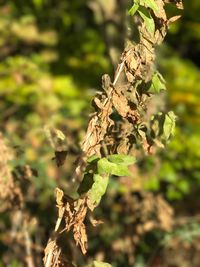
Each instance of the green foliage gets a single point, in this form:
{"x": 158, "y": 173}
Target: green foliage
{"x": 146, "y": 16}
{"x": 100, "y": 264}
{"x": 157, "y": 84}
{"x": 163, "y": 125}
{"x": 96, "y": 177}
{"x": 115, "y": 165}
{"x": 169, "y": 124}
{"x": 141, "y": 7}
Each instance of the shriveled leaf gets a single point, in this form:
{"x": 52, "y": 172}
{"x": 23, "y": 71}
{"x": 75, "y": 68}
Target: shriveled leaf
{"x": 148, "y": 20}
{"x": 59, "y": 196}
{"x": 80, "y": 236}
{"x": 56, "y": 138}
{"x": 95, "y": 222}
{"x": 97, "y": 190}
{"x": 178, "y": 3}
{"x": 157, "y": 84}
{"x": 173, "y": 19}
{"x": 60, "y": 157}
{"x": 59, "y": 134}
{"x": 169, "y": 124}
{"x": 120, "y": 103}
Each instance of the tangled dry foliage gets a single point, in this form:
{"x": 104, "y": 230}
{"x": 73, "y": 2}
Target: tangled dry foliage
{"x": 14, "y": 188}
{"x": 9, "y": 193}
{"x": 126, "y": 98}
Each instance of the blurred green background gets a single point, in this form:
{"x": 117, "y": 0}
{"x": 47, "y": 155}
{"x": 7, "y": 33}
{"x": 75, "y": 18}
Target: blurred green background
{"x": 52, "y": 56}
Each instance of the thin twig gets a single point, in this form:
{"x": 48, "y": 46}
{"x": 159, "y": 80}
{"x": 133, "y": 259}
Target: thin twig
{"x": 118, "y": 73}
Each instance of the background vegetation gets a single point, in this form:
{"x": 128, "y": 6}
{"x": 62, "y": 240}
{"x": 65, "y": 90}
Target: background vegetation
{"x": 52, "y": 56}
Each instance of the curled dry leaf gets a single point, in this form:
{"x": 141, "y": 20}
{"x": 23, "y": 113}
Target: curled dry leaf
{"x": 74, "y": 213}
{"x": 95, "y": 222}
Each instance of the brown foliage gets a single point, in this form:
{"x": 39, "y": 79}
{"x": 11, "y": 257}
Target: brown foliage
{"x": 126, "y": 98}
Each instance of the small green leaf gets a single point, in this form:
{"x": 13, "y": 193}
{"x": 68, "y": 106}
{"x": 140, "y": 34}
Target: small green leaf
{"x": 97, "y": 190}
{"x": 85, "y": 184}
{"x": 169, "y": 124}
{"x": 183, "y": 186}
{"x": 157, "y": 84}
{"x": 121, "y": 159}
{"x": 151, "y": 4}
{"x": 147, "y": 3}
{"x": 92, "y": 158}
{"x": 121, "y": 170}
{"x": 148, "y": 20}
{"x": 101, "y": 264}
{"x": 106, "y": 167}
{"x": 133, "y": 9}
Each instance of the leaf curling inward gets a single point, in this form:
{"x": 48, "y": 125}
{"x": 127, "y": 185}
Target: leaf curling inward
{"x": 169, "y": 124}
{"x": 97, "y": 190}
{"x": 157, "y": 84}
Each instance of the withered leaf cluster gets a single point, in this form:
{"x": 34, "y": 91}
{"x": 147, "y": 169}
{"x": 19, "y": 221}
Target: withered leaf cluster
{"x": 10, "y": 193}
{"x": 73, "y": 212}
{"x": 120, "y": 123}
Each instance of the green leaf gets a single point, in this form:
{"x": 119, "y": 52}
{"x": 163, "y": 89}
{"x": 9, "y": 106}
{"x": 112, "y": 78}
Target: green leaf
{"x": 169, "y": 124}
{"x": 147, "y": 3}
{"x": 92, "y": 158}
{"x": 148, "y": 20}
{"x": 38, "y": 3}
{"x": 121, "y": 159}
{"x": 157, "y": 84}
{"x": 183, "y": 186}
{"x": 151, "y": 4}
{"x": 106, "y": 167}
{"x": 101, "y": 264}
{"x": 133, "y": 9}
{"x": 97, "y": 190}
{"x": 85, "y": 184}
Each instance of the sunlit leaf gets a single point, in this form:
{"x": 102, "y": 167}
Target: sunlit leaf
{"x": 148, "y": 20}
{"x": 100, "y": 264}
{"x": 133, "y": 9}
{"x": 169, "y": 124}
{"x": 157, "y": 84}
{"x": 97, "y": 190}
{"x": 107, "y": 167}
{"x": 121, "y": 159}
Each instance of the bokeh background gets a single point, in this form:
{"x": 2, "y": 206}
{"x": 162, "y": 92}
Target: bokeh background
{"x": 52, "y": 57}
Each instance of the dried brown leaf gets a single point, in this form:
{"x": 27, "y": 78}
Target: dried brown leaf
{"x": 95, "y": 222}
{"x": 120, "y": 103}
